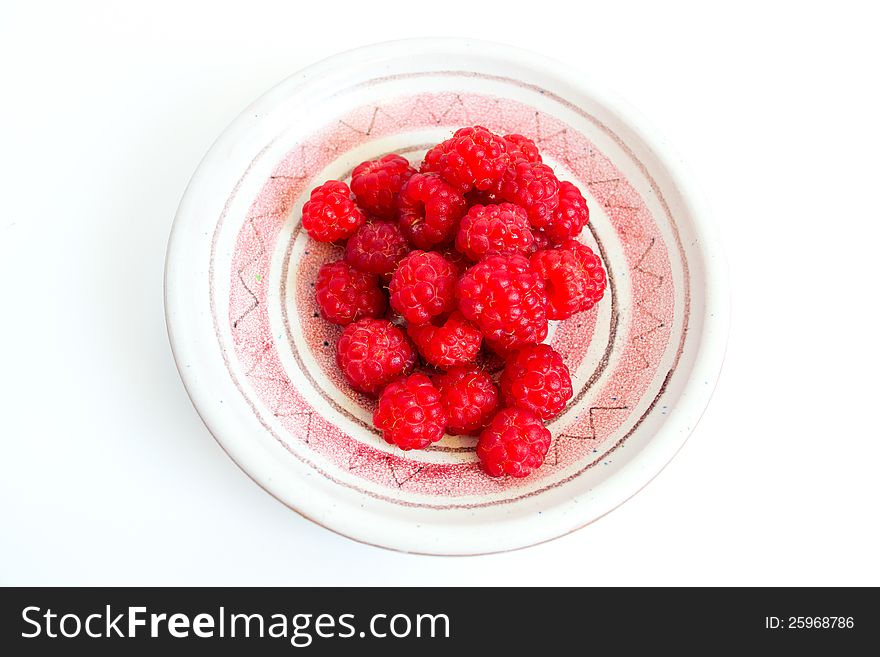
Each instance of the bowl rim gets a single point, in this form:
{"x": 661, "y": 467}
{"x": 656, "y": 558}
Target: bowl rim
{"x": 711, "y": 347}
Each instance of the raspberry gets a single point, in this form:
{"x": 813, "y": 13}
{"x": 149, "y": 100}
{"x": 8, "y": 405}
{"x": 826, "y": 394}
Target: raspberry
{"x": 514, "y": 443}
{"x": 536, "y": 379}
{"x": 456, "y": 342}
{"x": 488, "y": 229}
{"x": 373, "y": 352}
{"x": 533, "y": 186}
{"x": 505, "y": 299}
{"x": 376, "y": 184}
{"x": 471, "y": 158}
{"x": 522, "y": 148}
{"x": 430, "y": 209}
{"x": 422, "y": 286}
{"x": 470, "y": 398}
{"x": 345, "y": 295}
{"x": 564, "y": 280}
{"x": 570, "y": 216}
{"x": 376, "y": 248}
{"x": 594, "y": 274}
{"x": 330, "y": 215}
{"x": 410, "y": 413}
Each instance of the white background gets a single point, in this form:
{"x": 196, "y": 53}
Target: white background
{"x": 108, "y": 475}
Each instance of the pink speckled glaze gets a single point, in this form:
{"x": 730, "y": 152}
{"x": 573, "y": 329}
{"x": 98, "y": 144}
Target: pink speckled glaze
{"x": 642, "y": 337}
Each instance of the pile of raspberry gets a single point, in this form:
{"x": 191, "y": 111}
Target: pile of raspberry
{"x": 446, "y": 269}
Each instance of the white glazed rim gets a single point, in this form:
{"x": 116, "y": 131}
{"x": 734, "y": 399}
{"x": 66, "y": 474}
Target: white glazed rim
{"x": 193, "y": 343}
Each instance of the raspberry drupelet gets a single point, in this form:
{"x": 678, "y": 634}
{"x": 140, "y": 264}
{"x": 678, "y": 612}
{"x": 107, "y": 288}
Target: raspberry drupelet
{"x": 330, "y": 215}
{"x": 515, "y": 443}
{"x": 410, "y": 413}
{"x": 372, "y": 353}
{"x": 541, "y": 240}
{"x": 345, "y": 295}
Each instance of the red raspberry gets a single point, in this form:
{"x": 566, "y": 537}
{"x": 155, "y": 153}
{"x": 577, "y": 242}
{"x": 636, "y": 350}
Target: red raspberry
{"x": 376, "y": 248}
{"x": 594, "y": 274}
{"x": 345, "y": 295}
{"x": 514, "y": 443}
{"x": 422, "y": 286}
{"x": 470, "y": 398}
{"x": 376, "y": 184}
{"x": 430, "y": 209}
{"x": 570, "y": 216}
{"x": 564, "y": 279}
{"x": 373, "y": 352}
{"x": 456, "y": 342}
{"x": 471, "y": 158}
{"x": 505, "y": 299}
{"x": 410, "y": 413}
{"x": 330, "y": 214}
{"x": 522, "y": 148}
{"x": 533, "y": 186}
{"x": 536, "y": 379}
{"x": 488, "y": 229}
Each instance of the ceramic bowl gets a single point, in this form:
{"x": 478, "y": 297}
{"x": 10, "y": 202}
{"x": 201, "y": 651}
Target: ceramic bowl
{"x": 259, "y": 364}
